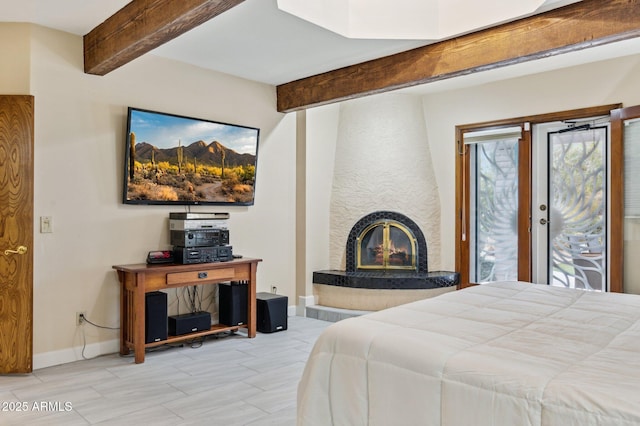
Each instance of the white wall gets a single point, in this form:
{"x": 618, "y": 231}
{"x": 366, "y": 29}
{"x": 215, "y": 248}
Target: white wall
{"x": 322, "y": 128}
{"x": 80, "y": 130}
{"x": 15, "y": 59}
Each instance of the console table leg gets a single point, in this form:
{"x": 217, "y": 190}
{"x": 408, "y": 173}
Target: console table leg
{"x": 124, "y": 350}
{"x": 251, "y": 308}
{"x": 139, "y": 318}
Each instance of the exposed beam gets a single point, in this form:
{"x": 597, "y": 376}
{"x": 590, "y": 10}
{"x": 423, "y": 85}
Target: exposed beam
{"x": 143, "y": 25}
{"x": 578, "y": 26}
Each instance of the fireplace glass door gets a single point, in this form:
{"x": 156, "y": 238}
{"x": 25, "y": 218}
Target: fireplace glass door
{"x": 386, "y": 245}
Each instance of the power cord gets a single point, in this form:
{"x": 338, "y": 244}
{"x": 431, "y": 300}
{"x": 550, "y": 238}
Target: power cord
{"x": 84, "y": 319}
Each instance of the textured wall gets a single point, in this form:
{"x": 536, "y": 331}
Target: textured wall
{"x": 383, "y": 162}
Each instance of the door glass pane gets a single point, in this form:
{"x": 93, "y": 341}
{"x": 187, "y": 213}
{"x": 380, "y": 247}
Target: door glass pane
{"x": 495, "y": 210}
{"x": 577, "y": 214}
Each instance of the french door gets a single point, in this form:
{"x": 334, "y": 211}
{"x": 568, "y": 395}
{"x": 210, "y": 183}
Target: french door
{"x": 535, "y": 201}
{"x": 570, "y": 205}
{"x": 494, "y": 187}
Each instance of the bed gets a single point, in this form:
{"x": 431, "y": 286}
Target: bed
{"x": 508, "y": 353}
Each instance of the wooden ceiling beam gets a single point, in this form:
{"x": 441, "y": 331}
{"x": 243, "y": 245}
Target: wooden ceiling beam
{"x": 143, "y": 25}
{"x": 578, "y": 26}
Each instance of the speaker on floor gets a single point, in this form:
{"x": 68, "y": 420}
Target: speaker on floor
{"x": 155, "y": 317}
{"x": 272, "y": 312}
{"x": 232, "y": 302}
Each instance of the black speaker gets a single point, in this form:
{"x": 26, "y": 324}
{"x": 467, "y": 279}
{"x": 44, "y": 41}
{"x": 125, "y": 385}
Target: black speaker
{"x": 155, "y": 317}
{"x": 232, "y": 303}
{"x": 272, "y": 312}
{"x": 189, "y": 323}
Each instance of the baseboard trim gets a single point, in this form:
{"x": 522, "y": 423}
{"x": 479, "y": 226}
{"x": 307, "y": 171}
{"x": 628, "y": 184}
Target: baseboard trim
{"x": 303, "y": 302}
{"x": 92, "y": 350}
{"x": 64, "y": 356}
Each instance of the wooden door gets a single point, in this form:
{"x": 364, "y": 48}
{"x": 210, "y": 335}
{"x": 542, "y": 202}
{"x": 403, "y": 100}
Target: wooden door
{"x": 16, "y": 233}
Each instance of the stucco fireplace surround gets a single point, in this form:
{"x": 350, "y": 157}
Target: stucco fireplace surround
{"x": 383, "y": 173}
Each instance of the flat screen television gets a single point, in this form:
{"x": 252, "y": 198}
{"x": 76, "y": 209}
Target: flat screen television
{"x": 176, "y": 160}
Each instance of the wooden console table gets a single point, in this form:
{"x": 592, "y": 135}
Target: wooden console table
{"x": 138, "y": 279}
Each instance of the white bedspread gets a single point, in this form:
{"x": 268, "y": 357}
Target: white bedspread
{"x": 497, "y": 354}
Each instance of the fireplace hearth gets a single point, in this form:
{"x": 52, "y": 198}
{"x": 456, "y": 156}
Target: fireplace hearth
{"x": 386, "y": 250}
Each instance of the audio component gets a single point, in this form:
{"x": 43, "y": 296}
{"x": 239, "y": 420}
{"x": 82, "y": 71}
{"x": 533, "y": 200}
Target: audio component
{"x": 272, "y": 312}
{"x": 191, "y": 224}
{"x": 196, "y": 215}
{"x": 186, "y": 255}
{"x": 200, "y": 238}
{"x": 232, "y": 302}
{"x": 189, "y": 323}
{"x": 155, "y": 317}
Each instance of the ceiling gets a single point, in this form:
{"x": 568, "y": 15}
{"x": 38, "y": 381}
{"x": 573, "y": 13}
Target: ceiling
{"x": 257, "y": 41}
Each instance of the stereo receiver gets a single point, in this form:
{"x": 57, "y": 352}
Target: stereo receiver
{"x": 200, "y": 238}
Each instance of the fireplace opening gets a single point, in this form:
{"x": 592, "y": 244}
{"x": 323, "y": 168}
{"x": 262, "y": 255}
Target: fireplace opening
{"x": 386, "y": 244}
{"x": 386, "y": 241}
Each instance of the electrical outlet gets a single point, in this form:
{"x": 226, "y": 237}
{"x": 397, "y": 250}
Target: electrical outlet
{"x": 80, "y": 316}
{"x": 274, "y": 289}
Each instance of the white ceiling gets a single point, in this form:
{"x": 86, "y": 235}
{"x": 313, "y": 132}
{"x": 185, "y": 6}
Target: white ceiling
{"x": 257, "y": 41}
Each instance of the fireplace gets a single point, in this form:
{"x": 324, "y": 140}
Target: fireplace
{"x": 386, "y": 250}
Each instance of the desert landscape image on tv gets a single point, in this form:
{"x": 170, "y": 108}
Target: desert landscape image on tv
{"x": 172, "y": 159}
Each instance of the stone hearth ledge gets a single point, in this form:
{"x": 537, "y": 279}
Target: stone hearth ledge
{"x": 365, "y": 299}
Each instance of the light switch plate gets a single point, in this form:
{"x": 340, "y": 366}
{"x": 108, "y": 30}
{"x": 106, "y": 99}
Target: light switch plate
{"x": 46, "y": 224}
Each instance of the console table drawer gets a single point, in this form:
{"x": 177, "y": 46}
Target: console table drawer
{"x": 199, "y": 277}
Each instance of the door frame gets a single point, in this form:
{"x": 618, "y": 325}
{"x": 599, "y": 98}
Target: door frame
{"x": 463, "y": 170}
{"x": 616, "y": 262}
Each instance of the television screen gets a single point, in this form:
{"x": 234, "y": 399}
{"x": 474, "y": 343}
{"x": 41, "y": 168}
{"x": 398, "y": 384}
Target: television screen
{"x": 176, "y": 160}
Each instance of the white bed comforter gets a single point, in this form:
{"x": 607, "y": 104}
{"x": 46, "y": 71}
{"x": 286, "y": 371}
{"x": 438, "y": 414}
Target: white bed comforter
{"x": 497, "y": 354}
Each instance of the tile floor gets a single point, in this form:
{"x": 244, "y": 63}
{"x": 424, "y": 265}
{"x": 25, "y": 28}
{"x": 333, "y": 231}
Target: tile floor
{"x": 227, "y": 381}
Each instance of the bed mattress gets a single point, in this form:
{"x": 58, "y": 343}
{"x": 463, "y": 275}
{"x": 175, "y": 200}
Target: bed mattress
{"x": 508, "y": 353}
